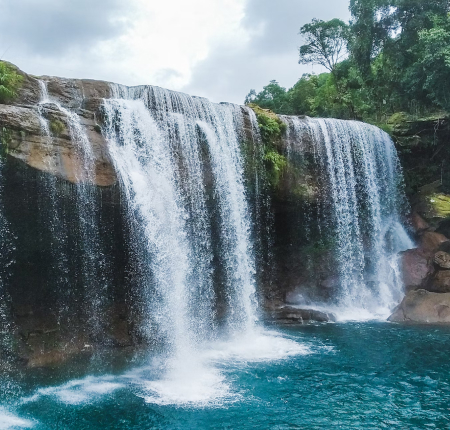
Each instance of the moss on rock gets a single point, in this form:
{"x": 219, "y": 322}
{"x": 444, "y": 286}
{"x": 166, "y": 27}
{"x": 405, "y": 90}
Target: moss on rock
{"x": 57, "y": 127}
{"x": 439, "y": 205}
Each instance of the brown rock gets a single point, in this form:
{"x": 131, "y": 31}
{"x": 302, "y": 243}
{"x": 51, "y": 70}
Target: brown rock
{"x": 430, "y": 241}
{"x": 57, "y": 155}
{"x": 442, "y": 259}
{"x": 416, "y": 268}
{"x": 423, "y": 307}
{"x": 418, "y": 223}
{"x": 440, "y": 282}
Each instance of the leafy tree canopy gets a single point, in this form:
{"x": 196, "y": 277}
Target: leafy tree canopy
{"x": 325, "y": 43}
{"x": 393, "y": 56}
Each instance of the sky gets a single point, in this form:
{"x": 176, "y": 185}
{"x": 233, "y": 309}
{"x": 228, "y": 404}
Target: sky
{"x": 219, "y": 49}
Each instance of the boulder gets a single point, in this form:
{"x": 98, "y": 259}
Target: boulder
{"x": 431, "y": 241}
{"x": 416, "y": 268}
{"x": 439, "y": 282}
{"x": 422, "y": 306}
{"x": 290, "y": 315}
{"x": 418, "y": 223}
{"x": 442, "y": 259}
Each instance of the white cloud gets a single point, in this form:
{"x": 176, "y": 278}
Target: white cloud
{"x": 215, "y": 48}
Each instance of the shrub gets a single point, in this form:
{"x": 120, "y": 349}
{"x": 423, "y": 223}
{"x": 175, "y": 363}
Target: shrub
{"x": 10, "y": 82}
{"x": 57, "y": 127}
{"x": 270, "y": 125}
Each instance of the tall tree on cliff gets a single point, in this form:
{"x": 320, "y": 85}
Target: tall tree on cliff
{"x": 326, "y": 43}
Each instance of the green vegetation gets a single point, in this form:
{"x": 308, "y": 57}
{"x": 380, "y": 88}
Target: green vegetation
{"x": 10, "y": 82}
{"x": 5, "y": 141}
{"x": 270, "y": 125}
{"x": 439, "y": 205}
{"x": 276, "y": 164}
{"x": 57, "y": 127}
{"x": 393, "y": 56}
{"x": 271, "y": 128}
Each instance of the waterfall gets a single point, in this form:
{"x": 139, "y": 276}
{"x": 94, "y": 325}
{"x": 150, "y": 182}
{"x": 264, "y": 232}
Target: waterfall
{"x": 7, "y": 326}
{"x": 172, "y": 131}
{"x": 180, "y": 164}
{"x": 189, "y": 216}
{"x": 93, "y": 264}
{"x": 362, "y": 196}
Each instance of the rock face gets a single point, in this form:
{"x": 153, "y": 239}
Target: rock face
{"x": 442, "y": 259}
{"x": 416, "y": 268}
{"x": 426, "y": 275}
{"x": 43, "y": 134}
{"x": 423, "y": 307}
{"x": 431, "y": 241}
{"x": 291, "y": 315}
{"x": 439, "y": 282}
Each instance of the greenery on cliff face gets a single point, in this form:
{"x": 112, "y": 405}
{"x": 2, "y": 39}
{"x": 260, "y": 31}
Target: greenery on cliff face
{"x": 272, "y": 129}
{"x": 397, "y": 60}
{"x": 10, "y": 82}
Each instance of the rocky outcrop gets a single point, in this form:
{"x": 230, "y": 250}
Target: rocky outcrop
{"x": 293, "y": 315}
{"x": 423, "y": 306}
{"x": 416, "y": 268}
{"x": 43, "y": 135}
{"x": 422, "y": 145}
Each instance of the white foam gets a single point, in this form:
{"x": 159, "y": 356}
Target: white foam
{"x": 8, "y": 421}
{"x": 349, "y": 313}
{"x": 193, "y": 380}
{"x": 184, "y": 385}
{"x": 199, "y": 382}
{"x": 257, "y": 346}
{"x": 78, "y": 391}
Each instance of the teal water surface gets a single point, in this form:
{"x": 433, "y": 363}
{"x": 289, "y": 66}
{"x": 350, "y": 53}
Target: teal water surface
{"x": 351, "y": 376}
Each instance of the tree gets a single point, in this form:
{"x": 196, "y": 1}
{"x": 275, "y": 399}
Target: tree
{"x": 273, "y": 97}
{"x": 326, "y": 43}
{"x": 369, "y": 29}
{"x": 435, "y": 62}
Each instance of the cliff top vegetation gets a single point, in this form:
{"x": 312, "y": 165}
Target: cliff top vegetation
{"x": 393, "y": 56}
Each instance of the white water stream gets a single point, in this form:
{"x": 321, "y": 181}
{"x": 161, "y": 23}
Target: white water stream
{"x": 160, "y": 142}
{"x": 360, "y": 172}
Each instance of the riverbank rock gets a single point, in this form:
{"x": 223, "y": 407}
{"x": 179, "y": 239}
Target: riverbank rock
{"x": 439, "y": 282}
{"x": 442, "y": 259}
{"x": 422, "y": 306}
{"x": 291, "y": 315}
{"x": 416, "y": 268}
{"x": 431, "y": 241}
{"x": 418, "y": 223}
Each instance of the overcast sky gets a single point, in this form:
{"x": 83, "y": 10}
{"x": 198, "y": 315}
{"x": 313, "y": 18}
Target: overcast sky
{"x": 219, "y": 49}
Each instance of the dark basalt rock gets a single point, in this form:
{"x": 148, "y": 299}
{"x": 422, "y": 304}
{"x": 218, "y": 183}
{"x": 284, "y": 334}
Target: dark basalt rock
{"x": 291, "y": 315}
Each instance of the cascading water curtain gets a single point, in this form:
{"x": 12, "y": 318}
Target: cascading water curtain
{"x": 92, "y": 260}
{"x": 361, "y": 181}
{"x": 166, "y": 147}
